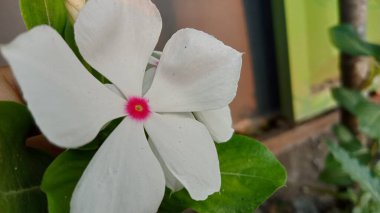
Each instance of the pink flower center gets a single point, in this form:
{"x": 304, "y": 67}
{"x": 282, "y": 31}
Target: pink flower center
{"x": 137, "y": 108}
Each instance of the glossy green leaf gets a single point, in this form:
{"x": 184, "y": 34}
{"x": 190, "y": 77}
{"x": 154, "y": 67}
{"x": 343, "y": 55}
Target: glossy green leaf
{"x": 62, "y": 176}
{"x": 346, "y": 39}
{"x": 358, "y": 172}
{"x": 21, "y": 168}
{"x": 250, "y": 175}
{"x": 367, "y": 112}
{"x": 44, "y": 12}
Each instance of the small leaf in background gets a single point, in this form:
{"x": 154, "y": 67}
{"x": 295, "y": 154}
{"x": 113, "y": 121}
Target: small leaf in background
{"x": 250, "y": 175}
{"x": 368, "y": 115}
{"x": 348, "y": 99}
{"x": 346, "y": 139}
{"x": 377, "y": 169}
{"x": 48, "y": 12}
{"x": 357, "y": 172}
{"x": 367, "y": 112}
{"x": 347, "y": 40}
{"x": 62, "y": 176}
{"x": 372, "y": 81}
{"x": 356, "y": 103}
{"x": 21, "y": 167}
{"x": 333, "y": 173}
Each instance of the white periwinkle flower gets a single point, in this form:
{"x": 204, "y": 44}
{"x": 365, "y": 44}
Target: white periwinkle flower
{"x": 196, "y": 73}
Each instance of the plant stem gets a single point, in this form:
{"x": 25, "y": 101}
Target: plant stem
{"x": 354, "y": 69}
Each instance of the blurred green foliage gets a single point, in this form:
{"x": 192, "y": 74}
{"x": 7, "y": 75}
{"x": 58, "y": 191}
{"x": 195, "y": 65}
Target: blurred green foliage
{"x": 21, "y": 167}
{"x": 353, "y": 165}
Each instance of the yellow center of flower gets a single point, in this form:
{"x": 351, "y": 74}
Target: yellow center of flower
{"x": 139, "y": 108}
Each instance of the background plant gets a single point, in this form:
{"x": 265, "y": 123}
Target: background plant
{"x": 352, "y": 164}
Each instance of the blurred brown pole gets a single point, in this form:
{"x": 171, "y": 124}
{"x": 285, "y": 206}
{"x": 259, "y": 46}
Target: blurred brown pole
{"x": 354, "y": 69}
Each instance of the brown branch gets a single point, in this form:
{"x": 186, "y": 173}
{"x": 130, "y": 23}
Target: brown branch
{"x": 354, "y": 69}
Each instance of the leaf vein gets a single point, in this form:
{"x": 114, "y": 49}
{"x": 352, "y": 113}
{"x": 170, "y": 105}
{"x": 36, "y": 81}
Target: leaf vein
{"x": 47, "y": 12}
{"x": 19, "y": 191}
{"x": 246, "y": 175}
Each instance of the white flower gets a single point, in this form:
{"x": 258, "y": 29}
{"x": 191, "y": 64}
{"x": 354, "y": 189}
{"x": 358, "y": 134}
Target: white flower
{"x": 196, "y": 73}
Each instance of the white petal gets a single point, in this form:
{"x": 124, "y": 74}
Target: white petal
{"x": 148, "y": 78}
{"x": 188, "y": 151}
{"x": 123, "y": 176}
{"x": 171, "y": 181}
{"x": 117, "y": 37}
{"x": 218, "y": 123}
{"x": 68, "y": 103}
{"x": 196, "y": 72}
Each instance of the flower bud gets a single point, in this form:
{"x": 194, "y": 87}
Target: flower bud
{"x": 73, "y": 7}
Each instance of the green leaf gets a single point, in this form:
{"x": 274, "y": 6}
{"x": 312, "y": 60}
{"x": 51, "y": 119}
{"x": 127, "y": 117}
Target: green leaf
{"x": 348, "y": 99}
{"x": 359, "y": 173}
{"x": 346, "y": 139}
{"x": 44, "y": 12}
{"x": 62, "y": 176}
{"x": 333, "y": 173}
{"x": 250, "y": 175}
{"x": 346, "y": 39}
{"x": 21, "y": 167}
{"x": 368, "y": 113}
